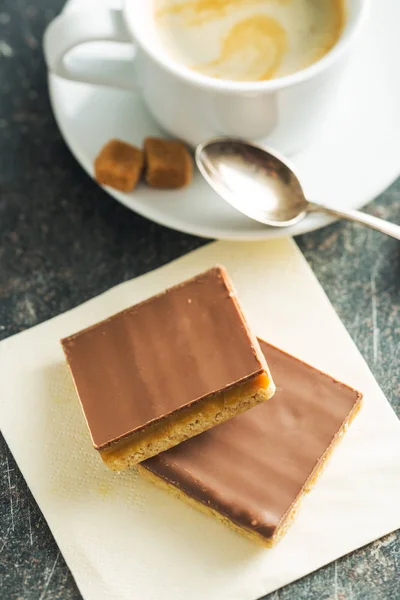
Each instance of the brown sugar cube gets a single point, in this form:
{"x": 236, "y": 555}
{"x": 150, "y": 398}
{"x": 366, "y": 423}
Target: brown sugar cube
{"x": 168, "y": 163}
{"x": 118, "y": 165}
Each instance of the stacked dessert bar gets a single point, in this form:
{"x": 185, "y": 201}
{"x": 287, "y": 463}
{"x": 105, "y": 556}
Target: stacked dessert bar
{"x": 179, "y": 386}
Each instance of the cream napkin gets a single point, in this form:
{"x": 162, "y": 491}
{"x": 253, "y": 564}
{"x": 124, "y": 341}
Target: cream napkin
{"x": 122, "y": 537}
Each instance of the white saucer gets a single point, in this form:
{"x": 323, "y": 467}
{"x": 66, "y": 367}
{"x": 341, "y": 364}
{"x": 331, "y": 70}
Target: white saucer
{"x": 354, "y": 159}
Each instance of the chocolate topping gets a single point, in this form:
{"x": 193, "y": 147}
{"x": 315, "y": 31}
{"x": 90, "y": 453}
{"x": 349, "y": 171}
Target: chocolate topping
{"x": 161, "y": 355}
{"x": 252, "y": 468}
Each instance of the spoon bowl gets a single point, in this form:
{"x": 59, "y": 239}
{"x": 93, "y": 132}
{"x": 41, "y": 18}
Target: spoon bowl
{"x": 255, "y": 181}
{"x": 261, "y": 184}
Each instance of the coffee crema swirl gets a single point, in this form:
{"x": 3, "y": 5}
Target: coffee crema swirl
{"x": 249, "y": 40}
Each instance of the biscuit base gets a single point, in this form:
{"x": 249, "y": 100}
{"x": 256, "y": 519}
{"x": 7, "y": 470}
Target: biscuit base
{"x": 286, "y": 520}
{"x": 187, "y": 423}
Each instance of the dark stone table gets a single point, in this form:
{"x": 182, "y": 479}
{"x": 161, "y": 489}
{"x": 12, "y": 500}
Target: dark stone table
{"x": 62, "y": 241}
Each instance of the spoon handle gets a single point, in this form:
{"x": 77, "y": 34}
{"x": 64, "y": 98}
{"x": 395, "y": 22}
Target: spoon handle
{"x": 360, "y": 217}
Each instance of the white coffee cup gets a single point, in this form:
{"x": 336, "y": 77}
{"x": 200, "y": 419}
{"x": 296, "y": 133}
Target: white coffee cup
{"x": 285, "y": 112}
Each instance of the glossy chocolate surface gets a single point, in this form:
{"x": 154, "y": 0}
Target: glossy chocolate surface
{"x": 252, "y": 468}
{"x": 162, "y": 355}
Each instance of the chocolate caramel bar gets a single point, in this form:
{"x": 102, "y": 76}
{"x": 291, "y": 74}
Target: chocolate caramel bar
{"x": 167, "y": 369}
{"x": 252, "y": 471}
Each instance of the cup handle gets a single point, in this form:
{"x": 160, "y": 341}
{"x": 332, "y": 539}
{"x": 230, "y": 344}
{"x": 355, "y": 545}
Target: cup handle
{"x": 80, "y": 26}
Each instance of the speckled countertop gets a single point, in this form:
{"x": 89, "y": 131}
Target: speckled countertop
{"x": 47, "y": 202}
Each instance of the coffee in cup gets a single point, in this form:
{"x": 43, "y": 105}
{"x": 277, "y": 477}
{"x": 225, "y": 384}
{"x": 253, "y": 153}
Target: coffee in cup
{"x": 248, "y": 40}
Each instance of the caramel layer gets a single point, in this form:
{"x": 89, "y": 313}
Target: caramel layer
{"x": 179, "y": 427}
